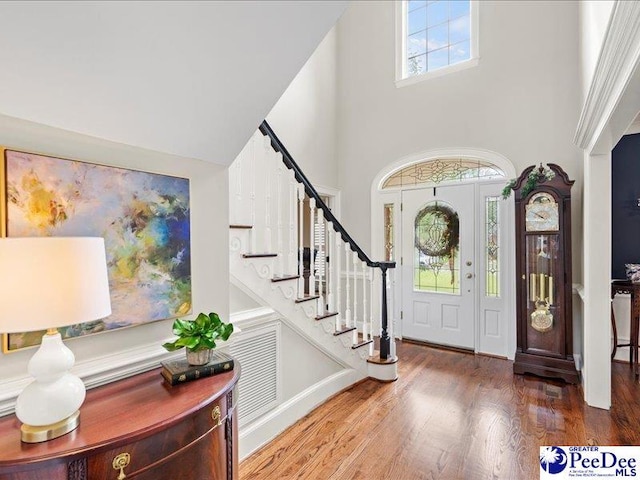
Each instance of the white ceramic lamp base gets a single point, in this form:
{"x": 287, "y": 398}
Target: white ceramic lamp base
{"x": 48, "y": 407}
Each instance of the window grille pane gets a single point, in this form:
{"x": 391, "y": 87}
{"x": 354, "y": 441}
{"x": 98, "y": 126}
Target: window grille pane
{"x": 437, "y": 13}
{"x": 417, "y": 21}
{"x": 436, "y": 249}
{"x": 413, "y": 4}
{"x": 438, "y": 59}
{"x": 417, "y": 44}
{"x": 435, "y": 171}
{"x": 388, "y": 232}
{"x": 459, "y": 29}
{"x": 492, "y": 246}
{"x": 458, "y": 8}
{"x": 460, "y": 52}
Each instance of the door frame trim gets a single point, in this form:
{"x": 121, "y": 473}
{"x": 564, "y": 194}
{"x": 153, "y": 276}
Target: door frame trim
{"x": 380, "y": 197}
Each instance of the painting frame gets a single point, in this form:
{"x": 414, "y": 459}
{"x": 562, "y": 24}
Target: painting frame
{"x": 145, "y": 218}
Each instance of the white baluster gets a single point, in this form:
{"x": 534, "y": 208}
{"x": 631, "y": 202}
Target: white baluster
{"x": 321, "y": 262}
{"x": 292, "y": 270}
{"x": 280, "y": 232}
{"x": 372, "y": 272}
{"x": 347, "y": 312}
{"x": 392, "y": 309}
{"x": 329, "y": 290}
{"x": 337, "y": 285}
{"x": 300, "y": 241}
{"x": 312, "y": 243}
{"x": 365, "y": 316}
{"x": 354, "y": 260}
{"x": 267, "y": 202}
{"x": 252, "y": 196}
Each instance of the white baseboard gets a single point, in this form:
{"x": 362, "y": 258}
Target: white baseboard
{"x": 262, "y": 431}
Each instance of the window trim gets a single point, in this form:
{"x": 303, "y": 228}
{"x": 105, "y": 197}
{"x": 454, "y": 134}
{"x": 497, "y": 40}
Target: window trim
{"x": 401, "y": 42}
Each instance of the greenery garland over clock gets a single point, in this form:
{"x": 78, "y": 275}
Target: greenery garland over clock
{"x": 449, "y": 240}
{"x": 535, "y": 177}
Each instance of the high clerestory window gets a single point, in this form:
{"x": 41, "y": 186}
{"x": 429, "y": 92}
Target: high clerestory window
{"x": 436, "y": 36}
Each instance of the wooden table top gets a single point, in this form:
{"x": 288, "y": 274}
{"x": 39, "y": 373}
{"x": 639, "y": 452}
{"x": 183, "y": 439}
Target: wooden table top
{"x": 122, "y": 411}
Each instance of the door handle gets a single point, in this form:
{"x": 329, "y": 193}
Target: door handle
{"x": 469, "y": 275}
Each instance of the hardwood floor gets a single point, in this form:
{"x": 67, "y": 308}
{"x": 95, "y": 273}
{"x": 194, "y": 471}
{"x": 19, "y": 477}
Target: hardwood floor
{"x": 450, "y": 415}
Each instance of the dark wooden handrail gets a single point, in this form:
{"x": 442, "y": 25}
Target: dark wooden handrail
{"x": 288, "y": 160}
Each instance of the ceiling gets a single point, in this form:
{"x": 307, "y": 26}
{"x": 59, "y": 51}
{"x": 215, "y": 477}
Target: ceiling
{"x": 193, "y": 79}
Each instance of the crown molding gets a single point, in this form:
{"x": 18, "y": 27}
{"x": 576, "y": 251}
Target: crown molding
{"x": 618, "y": 60}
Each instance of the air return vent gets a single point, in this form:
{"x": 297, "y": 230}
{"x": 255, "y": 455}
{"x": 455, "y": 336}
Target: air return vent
{"x": 258, "y": 389}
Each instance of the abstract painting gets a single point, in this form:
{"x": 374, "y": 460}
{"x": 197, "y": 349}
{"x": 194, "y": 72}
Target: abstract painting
{"x": 143, "y": 217}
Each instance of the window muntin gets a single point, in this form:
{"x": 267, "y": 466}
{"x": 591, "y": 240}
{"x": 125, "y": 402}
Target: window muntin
{"x": 436, "y": 34}
{"x": 442, "y": 170}
{"x": 436, "y": 249}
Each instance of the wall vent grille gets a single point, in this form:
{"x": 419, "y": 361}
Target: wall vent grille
{"x": 259, "y": 385}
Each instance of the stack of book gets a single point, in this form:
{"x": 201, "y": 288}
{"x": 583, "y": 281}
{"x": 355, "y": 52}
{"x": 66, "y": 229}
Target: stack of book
{"x": 179, "y": 371}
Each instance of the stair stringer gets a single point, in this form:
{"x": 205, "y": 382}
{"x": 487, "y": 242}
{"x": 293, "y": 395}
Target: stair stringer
{"x": 253, "y": 277}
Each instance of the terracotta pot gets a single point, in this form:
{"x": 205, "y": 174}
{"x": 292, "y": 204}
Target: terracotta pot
{"x": 198, "y": 357}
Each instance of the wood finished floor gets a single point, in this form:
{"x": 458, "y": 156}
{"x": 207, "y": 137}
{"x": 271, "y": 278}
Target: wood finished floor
{"x": 449, "y": 416}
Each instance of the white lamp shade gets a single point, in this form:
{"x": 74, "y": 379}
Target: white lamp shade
{"x": 50, "y": 282}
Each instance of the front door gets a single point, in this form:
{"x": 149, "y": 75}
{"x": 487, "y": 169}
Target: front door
{"x": 438, "y": 265}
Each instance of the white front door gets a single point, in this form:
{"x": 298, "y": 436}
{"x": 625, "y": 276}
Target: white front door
{"x": 438, "y": 265}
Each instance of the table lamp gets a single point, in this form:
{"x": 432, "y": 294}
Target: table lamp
{"x": 46, "y": 283}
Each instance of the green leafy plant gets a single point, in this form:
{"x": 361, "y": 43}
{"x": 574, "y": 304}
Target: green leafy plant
{"x": 536, "y": 176}
{"x": 199, "y": 334}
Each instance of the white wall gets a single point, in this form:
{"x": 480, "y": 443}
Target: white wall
{"x": 305, "y": 116}
{"x": 521, "y": 101}
{"x": 209, "y": 229}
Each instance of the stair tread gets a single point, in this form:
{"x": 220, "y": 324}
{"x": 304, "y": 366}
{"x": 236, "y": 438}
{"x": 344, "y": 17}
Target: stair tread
{"x": 258, "y": 255}
{"x": 307, "y": 298}
{"x": 361, "y": 344}
{"x": 326, "y": 315}
{"x": 278, "y": 278}
{"x": 237, "y": 225}
{"x": 346, "y": 330}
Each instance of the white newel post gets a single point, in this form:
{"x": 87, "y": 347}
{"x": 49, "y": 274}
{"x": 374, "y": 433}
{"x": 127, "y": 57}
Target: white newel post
{"x": 321, "y": 265}
{"x": 354, "y": 261}
{"x": 347, "y": 312}
{"x": 312, "y": 243}
{"x": 338, "y": 284}
{"x": 300, "y": 241}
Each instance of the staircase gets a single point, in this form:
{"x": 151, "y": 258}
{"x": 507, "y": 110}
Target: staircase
{"x": 289, "y": 252}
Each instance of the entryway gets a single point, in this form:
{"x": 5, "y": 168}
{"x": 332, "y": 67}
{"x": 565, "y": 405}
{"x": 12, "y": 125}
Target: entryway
{"x": 451, "y": 234}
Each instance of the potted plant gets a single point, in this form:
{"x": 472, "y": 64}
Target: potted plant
{"x": 199, "y": 336}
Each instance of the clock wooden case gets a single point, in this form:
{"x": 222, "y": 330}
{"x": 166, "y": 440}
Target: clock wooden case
{"x": 543, "y": 276}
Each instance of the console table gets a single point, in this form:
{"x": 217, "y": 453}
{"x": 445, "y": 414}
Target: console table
{"x": 633, "y": 289}
{"x": 139, "y": 428}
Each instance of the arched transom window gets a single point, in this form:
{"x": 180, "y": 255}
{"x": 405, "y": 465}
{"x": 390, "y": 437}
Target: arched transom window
{"x": 435, "y": 171}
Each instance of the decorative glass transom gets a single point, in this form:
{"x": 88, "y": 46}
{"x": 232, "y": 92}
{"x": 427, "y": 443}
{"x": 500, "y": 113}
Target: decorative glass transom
{"x": 442, "y": 170}
{"x": 437, "y": 242}
{"x": 492, "y": 246}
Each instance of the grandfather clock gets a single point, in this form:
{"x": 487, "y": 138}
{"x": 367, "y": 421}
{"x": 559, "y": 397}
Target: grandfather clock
{"x": 543, "y": 274}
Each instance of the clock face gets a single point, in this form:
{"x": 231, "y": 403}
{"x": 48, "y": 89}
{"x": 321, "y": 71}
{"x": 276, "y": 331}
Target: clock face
{"x": 542, "y": 213}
